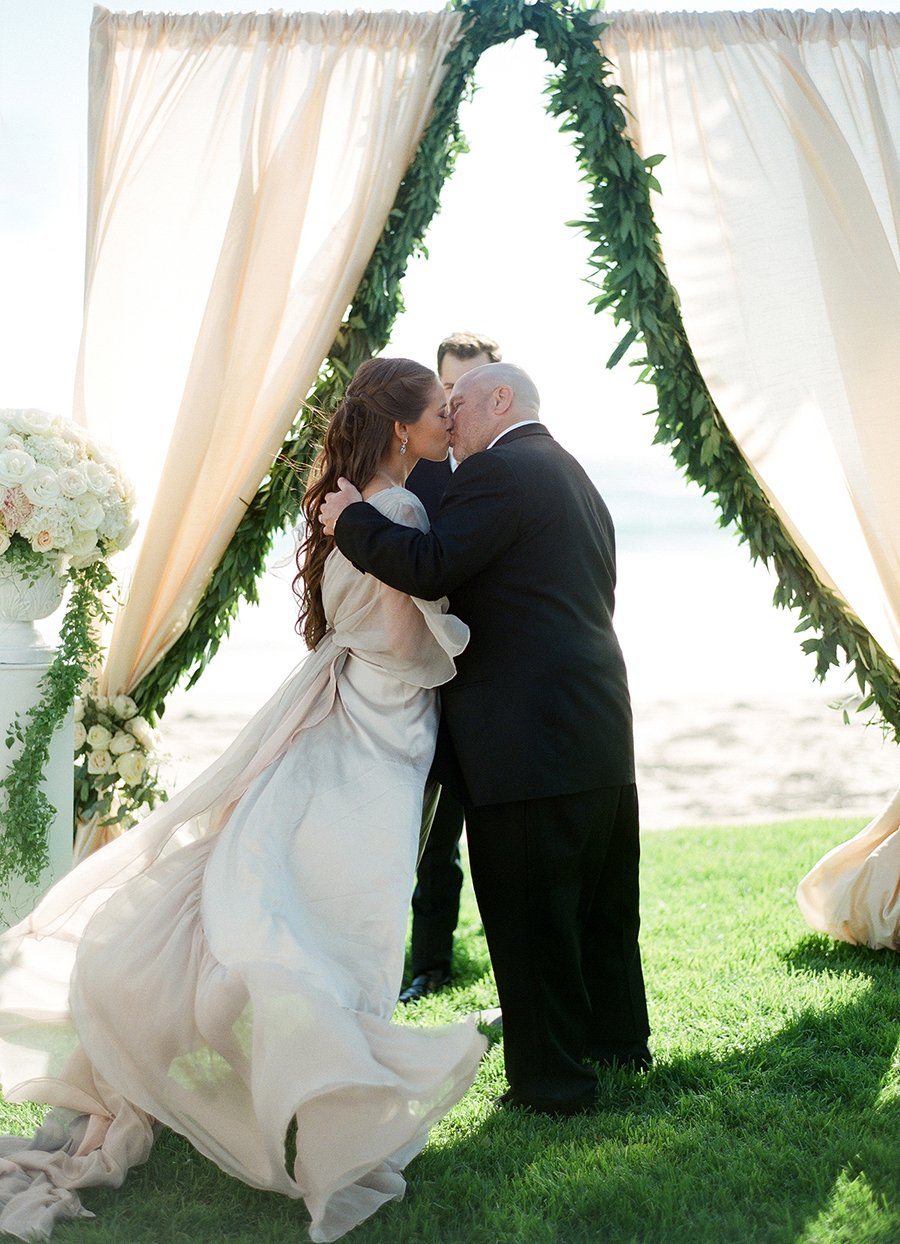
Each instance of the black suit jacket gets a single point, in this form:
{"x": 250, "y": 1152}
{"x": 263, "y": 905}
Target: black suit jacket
{"x": 428, "y": 481}
{"x": 524, "y": 547}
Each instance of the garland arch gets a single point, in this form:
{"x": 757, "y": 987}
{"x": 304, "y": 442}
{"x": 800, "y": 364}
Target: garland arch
{"x": 633, "y": 286}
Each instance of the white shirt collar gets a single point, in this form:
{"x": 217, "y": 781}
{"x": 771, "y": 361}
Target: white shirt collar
{"x": 521, "y": 424}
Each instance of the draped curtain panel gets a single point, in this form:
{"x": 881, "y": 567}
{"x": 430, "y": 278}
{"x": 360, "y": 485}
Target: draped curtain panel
{"x": 242, "y": 168}
{"x": 779, "y": 227}
{"x": 778, "y": 222}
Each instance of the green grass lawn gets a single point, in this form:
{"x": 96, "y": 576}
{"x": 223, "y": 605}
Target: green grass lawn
{"x": 772, "y": 1113}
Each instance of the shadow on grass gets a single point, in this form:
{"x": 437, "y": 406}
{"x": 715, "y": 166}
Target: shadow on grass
{"x": 780, "y": 1141}
{"x": 789, "y": 1139}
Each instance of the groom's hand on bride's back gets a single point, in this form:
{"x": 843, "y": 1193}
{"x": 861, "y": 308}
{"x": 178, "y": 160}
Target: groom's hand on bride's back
{"x": 336, "y": 502}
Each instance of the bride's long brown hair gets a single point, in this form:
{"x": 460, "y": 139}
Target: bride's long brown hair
{"x": 356, "y": 440}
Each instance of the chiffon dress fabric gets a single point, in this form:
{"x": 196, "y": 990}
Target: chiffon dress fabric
{"x": 231, "y": 965}
{"x": 853, "y": 892}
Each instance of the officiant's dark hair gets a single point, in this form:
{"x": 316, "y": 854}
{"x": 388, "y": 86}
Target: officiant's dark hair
{"x": 358, "y": 436}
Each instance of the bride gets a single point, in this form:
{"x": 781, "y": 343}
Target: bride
{"x": 229, "y": 968}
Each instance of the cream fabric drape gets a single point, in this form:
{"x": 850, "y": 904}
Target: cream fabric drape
{"x": 779, "y": 227}
{"x": 853, "y": 892}
{"x": 241, "y": 171}
{"x": 778, "y": 222}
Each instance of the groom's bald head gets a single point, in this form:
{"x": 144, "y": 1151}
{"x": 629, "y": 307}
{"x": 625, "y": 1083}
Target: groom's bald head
{"x": 488, "y": 400}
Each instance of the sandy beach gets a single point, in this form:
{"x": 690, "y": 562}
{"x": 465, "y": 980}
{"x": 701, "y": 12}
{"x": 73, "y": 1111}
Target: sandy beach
{"x": 700, "y": 762}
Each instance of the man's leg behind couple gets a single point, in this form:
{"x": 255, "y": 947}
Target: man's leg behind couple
{"x": 557, "y": 887}
{"x": 435, "y": 902}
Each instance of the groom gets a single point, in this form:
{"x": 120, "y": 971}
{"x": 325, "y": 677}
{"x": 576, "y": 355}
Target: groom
{"x": 536, "y": 735}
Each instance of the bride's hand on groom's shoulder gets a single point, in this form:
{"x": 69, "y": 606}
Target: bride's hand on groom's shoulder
{"x": 336, "y": 502}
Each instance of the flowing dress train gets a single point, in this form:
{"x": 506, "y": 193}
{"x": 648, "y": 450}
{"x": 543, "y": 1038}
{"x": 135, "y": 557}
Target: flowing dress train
{"x": 231, "y": 965}
{"x": 853, "y": 892}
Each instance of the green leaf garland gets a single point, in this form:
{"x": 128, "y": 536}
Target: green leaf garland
{"x": 630, "y": 275}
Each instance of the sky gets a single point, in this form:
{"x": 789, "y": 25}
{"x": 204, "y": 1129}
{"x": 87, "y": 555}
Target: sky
{"x": 501, "y": 260}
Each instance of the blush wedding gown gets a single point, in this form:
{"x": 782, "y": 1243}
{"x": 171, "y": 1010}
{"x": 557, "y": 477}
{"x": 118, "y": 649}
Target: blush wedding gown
{"x": 230, "y": 966}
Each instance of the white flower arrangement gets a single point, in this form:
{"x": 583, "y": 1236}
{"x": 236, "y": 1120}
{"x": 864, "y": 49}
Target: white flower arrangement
{"x": 116, "y": 765}
{"x": 65, "y": 507}
{"x": 62, "y": 498}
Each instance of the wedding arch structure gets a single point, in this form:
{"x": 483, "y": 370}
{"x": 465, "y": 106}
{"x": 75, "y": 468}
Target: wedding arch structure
{"x": 186, "y": 590}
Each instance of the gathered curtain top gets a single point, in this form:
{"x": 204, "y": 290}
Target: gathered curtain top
{"x": 177, "y": 29}
{"x": 708, "y": 30}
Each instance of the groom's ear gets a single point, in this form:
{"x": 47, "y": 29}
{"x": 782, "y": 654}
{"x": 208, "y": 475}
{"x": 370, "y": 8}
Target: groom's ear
{"x": 503, "y": 399}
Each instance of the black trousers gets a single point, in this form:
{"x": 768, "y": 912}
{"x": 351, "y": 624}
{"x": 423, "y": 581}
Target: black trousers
{"x": 557, "y": 887}
{"x": 435, "y": 901}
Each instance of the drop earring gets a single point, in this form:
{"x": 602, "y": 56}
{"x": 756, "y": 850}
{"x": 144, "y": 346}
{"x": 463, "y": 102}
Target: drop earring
{"x": 403, "y": 447}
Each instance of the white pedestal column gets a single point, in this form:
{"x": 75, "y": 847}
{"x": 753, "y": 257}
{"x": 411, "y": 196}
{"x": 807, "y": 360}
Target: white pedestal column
{"x": 23, "y": 662}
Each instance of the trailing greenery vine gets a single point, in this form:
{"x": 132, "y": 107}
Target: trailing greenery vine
{"x": 26, "y": 813}
{"x": 633, "y": 286}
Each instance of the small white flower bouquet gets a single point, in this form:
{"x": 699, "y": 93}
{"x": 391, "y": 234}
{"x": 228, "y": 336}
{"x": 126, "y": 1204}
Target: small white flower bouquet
{"x": 61, "y": 496}
{"x": 116, "y": 766}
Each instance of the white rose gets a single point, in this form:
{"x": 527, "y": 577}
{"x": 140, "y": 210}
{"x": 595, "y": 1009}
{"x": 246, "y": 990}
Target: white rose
{"x": 80, "y": 735}
{"x": 4, "y": 429}
{"x": 72, "y": 481}
{"x": 101, "y": 703}
{"x": 41, "y": 487}
{"x": 122, "y": 743}
{"x": 88, "y": 511}
{"x": 123, "y": 706}
{"x": 99, "y": 761}
{"x": 12, "y": 442}
{"x": 78, "y": 710}
{"x": 42, "y": 542}
{"x": 131, "y": 767}
{"x": 16, "y": 466}
{"x": 99, "y": 477}
{"x": 73, "y": 435}
{"x": 142, "y": 731}
{"x": 99, "y": 736}
{"x": 31, "y": 421}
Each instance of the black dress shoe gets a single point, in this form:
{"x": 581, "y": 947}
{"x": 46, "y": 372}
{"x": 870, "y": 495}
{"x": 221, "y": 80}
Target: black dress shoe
{"x": 427, "y": 982}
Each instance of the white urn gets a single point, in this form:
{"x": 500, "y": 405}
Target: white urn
{"x": 25, "y": 598}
